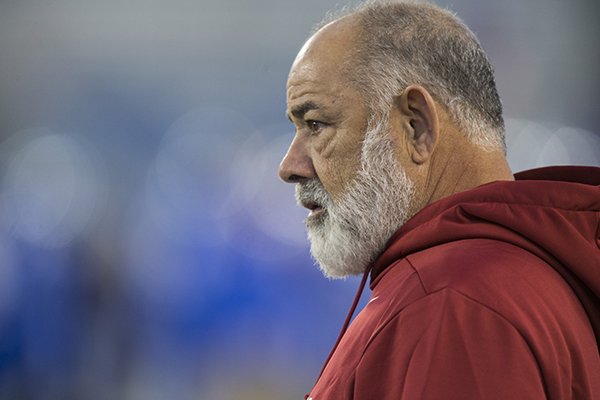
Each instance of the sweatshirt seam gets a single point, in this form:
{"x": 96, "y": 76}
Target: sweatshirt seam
{"x": 464, "y": 296}
{"x": 483, "y": 305}
{"x": 418, "y": 275}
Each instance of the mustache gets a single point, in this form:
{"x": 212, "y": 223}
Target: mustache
{"x": 312, "y": 191}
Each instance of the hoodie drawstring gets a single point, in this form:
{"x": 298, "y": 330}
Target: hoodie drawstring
{"x": 357, "y": 297}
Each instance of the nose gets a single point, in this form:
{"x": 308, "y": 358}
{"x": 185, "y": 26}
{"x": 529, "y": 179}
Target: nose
{"x": 297, "y": 165}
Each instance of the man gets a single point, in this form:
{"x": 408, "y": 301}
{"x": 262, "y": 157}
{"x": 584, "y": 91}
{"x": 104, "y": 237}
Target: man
{"x": 483, "y": 286}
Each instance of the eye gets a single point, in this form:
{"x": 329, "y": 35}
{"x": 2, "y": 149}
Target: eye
{"x": 315, "y": 126}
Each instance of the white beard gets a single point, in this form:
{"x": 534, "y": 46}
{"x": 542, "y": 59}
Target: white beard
{"x": 352, "y": 232}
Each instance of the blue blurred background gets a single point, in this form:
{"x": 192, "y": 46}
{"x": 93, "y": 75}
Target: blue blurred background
{"x": 147, "y": 248}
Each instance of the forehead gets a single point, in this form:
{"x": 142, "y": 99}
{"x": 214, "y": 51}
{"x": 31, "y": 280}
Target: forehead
{"x": 318, "y": 67}
{"x": 313, "y": 88}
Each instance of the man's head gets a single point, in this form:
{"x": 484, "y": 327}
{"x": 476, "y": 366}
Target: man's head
{"x": 392, "y": 104}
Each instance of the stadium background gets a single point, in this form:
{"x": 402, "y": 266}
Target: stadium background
{"x": 147, "y": 248}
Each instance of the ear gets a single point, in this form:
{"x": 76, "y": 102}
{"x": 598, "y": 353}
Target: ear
{"x": 415, "y": 112}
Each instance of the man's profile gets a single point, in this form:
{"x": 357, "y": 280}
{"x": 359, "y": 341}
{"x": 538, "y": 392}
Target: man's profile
{"x": 484, "y": 284}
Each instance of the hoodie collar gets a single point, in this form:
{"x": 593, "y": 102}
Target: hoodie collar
{"x": 552, "y": 210}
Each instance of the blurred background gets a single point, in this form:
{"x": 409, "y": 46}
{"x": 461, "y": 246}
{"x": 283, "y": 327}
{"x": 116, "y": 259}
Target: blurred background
{"x": 147, "y": 248}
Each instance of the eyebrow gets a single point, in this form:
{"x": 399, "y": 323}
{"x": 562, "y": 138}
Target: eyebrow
{"x": 301, "y": 109}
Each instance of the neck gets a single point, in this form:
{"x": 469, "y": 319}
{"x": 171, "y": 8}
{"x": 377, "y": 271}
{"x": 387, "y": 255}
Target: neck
{"x": 463, "y": 166}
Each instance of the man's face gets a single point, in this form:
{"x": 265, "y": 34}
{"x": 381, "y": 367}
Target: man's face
{"x": 357, "y": 194}
{"x": 329, "y": 115}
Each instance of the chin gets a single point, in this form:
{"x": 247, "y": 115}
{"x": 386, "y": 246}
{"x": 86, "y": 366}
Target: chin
{"x": 332, "y": 274}
{"x": 337, "y": 253}
{"x": 336, "y": 271}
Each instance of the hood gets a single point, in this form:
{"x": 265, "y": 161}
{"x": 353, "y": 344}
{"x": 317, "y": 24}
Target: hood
{"x": 553, "y": 213}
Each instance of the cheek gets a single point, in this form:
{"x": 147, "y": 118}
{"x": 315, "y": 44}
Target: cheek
{"x": 329, "y": 143}
{"x": 333, "y": 178}
{"x": 336, "y": 165}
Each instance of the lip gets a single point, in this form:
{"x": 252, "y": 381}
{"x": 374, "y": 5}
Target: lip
{"x": 314, "y": 208}
{"x": 315, "y": 212}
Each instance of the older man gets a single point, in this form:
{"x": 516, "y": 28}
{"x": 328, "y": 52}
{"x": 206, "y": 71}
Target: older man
{"x": 483, "y": 287}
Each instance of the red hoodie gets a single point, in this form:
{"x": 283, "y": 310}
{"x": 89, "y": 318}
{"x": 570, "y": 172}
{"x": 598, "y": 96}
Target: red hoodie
{"x": 493, "y": 293}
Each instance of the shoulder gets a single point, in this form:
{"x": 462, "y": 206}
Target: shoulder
{"x": 495, "y": 274}
{"x": 490, "y": 276}
{"x": 488, "y": 271}
{"x": 517, "y": 286}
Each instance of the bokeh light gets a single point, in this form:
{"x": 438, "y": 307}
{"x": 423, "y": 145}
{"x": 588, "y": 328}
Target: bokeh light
{"x": 51, "y": 189}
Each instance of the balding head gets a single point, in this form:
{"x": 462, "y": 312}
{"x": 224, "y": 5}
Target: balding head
{"x": 325, "y": 52}
{"x": 333, "y": 40}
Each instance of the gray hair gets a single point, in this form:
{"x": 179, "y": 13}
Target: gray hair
{"x": 403, "y": 43}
